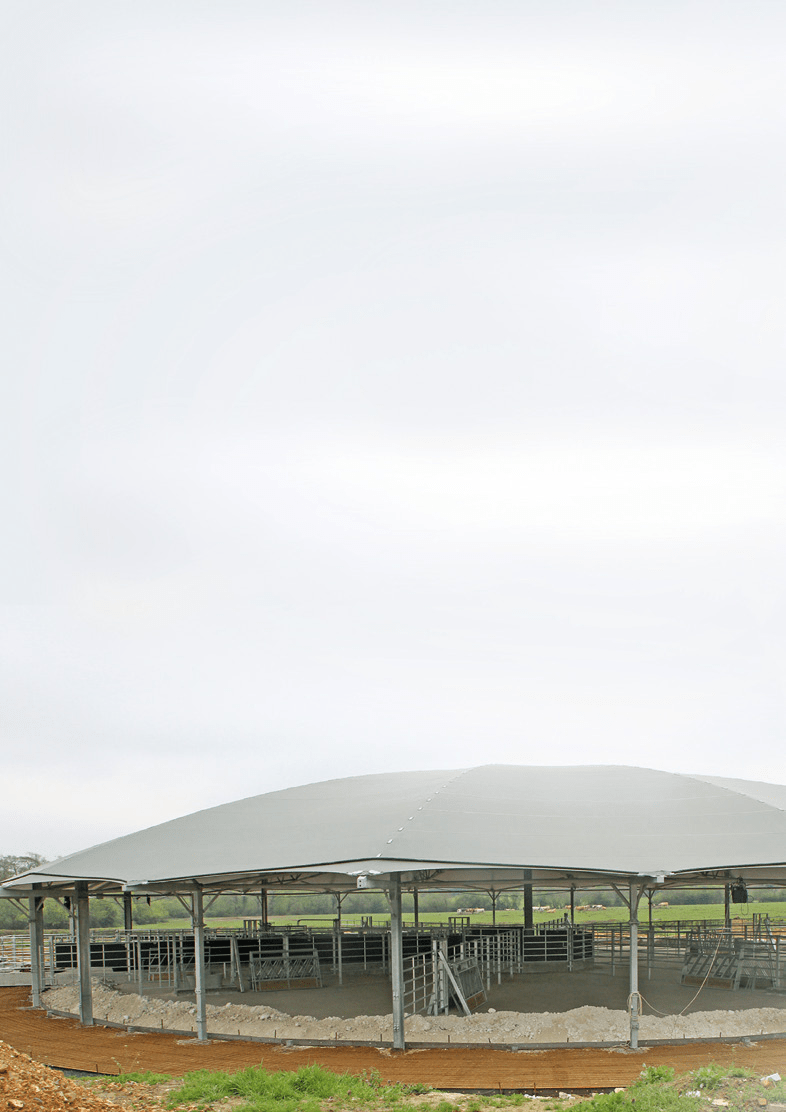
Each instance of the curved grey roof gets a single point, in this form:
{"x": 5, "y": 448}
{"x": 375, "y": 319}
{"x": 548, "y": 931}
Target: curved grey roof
{"x": 493, "y": 825}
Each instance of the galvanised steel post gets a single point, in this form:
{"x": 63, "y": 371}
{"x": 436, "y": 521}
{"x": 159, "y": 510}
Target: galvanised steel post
{"x": 396, "y": 960}
{"x": 198, "y": 925}
{"x": 39, "y": 918}
{"x": 82, "y": 902}
{"x": 633, "y": 997}
{"x": 35, "y": 919}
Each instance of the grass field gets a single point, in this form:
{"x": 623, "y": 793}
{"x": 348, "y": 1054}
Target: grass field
{"x": 684, "y": 912}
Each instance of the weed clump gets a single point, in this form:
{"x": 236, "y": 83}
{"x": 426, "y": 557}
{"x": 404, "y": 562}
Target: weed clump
{"x": 314, "y": 1089}
{"x": 304, "y": 1090}
{"x": 709, "y": 1077}
{"x": 141, "y": 1077}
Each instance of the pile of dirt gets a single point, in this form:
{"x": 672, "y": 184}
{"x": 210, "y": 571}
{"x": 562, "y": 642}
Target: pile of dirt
{"x": 27, "y": 1086}
{"x": 585, "y": 1024}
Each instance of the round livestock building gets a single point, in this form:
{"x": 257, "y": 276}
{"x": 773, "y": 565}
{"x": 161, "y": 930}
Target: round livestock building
{"x": 476, "y": 832}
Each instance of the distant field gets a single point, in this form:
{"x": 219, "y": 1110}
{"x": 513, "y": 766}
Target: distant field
{"x": 685, "y": 912}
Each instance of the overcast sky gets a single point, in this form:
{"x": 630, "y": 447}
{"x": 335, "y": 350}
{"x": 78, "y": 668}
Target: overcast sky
{"x": 387, "y": 386}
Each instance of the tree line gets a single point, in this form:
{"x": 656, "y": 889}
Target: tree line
{"x": 108, "y": 912}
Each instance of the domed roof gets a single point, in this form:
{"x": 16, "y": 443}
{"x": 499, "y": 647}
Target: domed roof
{"x": 480, "y": 826}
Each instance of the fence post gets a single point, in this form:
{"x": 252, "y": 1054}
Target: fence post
{"x": 777, "y": 961}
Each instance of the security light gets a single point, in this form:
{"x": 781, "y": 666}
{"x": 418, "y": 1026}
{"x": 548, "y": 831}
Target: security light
{"x": 739, "y": 893}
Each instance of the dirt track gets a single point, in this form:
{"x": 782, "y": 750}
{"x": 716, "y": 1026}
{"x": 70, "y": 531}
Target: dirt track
{"x": 62, "y": 1042}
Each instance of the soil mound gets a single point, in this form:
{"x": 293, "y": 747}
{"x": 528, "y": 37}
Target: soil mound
{"x": 585, "y": 1024}
{"x": 27, "y": 1086}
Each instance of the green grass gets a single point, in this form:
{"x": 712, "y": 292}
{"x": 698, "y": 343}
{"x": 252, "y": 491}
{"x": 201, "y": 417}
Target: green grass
{"x": 142, "y": 1077}
{"x": 709, "y": 1077}
{"x": 653, "y": 1092}
{"x": 314, "y": 1089}
{"x": 305, "y": 1090}
{"x": 657, "y": 1090}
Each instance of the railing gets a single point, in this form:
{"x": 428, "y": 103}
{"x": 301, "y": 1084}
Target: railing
{"x": 14, "y": 952}
{"x": 419, "y": 984}
{"x": 156, "y": 955}
{"x": 466, "y": 980}
{"x": 288, "y": 967}
{"x": 494, "y": 953}
{"x": 731, "y": 958}
{"x": 433, "y": 980}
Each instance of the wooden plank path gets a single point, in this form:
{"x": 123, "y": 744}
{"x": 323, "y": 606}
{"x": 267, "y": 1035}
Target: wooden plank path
{"x": 64, "y": 1043}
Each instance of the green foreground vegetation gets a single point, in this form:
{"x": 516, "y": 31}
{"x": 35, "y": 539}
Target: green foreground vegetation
{"x": 314, "y": 1089}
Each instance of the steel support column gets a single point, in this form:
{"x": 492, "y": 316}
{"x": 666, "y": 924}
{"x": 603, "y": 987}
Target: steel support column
{"x": 35, "y": 918}
{"x": 339, "y": 939}
{"x": 727, "y": 904}
{"x": 396, "y": 960}
{"x": 82, "y": 905}
{"x": 633, "y": 996}
{"x": 528, "y": 916}
{"x": 39, "y": 918}
{"x": 198, "y": 926}
{"x": 415, "y": 908}
{"x": 128, "y": 912}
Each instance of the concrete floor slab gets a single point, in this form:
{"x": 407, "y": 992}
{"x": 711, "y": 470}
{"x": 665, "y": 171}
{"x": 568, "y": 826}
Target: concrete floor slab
{"x": 369, "y": 994}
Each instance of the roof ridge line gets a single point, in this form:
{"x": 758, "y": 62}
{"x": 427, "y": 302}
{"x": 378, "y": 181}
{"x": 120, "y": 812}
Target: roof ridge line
{"x": 737, "y": 794}
{"x": 460, "y": 772}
